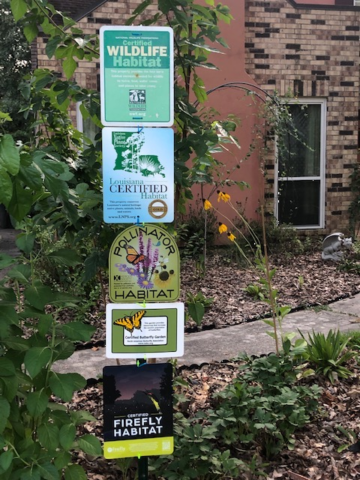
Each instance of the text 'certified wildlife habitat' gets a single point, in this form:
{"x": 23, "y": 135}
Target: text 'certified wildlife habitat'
{"x": 138, "y": 410}
{"x": 154, "y": 330}
{"x": 144, "y": 266}
{"x": 136, "y": 73}
{"x": 138, "y": 175}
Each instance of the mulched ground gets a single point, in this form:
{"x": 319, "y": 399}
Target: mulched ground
{"x": 302, "y": 281}
{"x": 315, "y": 456}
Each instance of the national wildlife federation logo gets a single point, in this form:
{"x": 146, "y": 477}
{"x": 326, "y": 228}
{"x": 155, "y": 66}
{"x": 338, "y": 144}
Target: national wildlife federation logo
{"x": 137, "y": 100}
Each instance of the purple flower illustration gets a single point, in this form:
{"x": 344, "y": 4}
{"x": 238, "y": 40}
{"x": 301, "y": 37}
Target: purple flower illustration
{"x": 132, "y": 271}
{"x": 144, "y": 283}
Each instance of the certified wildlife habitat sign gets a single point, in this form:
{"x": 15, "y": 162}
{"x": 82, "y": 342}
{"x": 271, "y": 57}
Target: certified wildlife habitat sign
{"x": 138, "y": 175}
{"x": 138, "y": 410}
{"x": 154, "y": 331}
{"x": 144, "y": 266}
{"x": 136, "y": 75}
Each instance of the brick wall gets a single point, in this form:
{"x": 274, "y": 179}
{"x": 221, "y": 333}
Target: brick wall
{"x": 110, "y": 13}
{"x": 312, "y": 53}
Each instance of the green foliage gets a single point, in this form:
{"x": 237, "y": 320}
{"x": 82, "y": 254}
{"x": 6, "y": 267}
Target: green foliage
{"x": 256, "y": 291}
{"x": 259, "y": 411}
{"x": 14, "y": 63}
{"x": 37, "y": 431}
{"x": 196, "y": 306}
{"x": 328, "y": 354}
{"x": 265, "y": 405}
{"x": 352, "y": 338}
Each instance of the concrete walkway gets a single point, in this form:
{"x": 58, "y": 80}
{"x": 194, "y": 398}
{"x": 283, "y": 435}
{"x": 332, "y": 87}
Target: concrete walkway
{"x": 227, "y": 343}
{"x": 222, "y": 344}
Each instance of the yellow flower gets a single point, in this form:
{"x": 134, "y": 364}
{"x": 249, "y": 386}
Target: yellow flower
{"x": 223, "y": 196}
{"x": 231, "y": 236}
{"x": 207, "y": 205}
{"x": 222, "y": 228}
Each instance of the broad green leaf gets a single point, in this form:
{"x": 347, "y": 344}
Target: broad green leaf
{"x": 75, "y": 472}
{"x": 30, "y": 474}
{"x": 196, "y": 311}
{"x": 90, "y": 445}
{"x": 4, "y": 413}
{"x": 81, "y": 416}
{"x": 66, "y": 256}
{"x": 30, "y": 176}
{"x": 20, "y": 203}
{"x": 63, "y": 350}
{"x": 67, "y": 436}
{"x": 31, "y": 32}
{"x": 17, "y": 343}
{"x": 38, "y": 296}
{"x": 49, "y": 471}
{"x": 37, "y": 403}
{"x": 69, "y": 66}
{"x": 18, "y": 8}
{"x": 37, "y": 358}
{"x": 21, "y": 273}
{"x": 5, "y": 460}
{"x": 9, "y": 155}
{"x": 78, "y": 331}
{"x": 6, "y": 187}
{"x": 48, "y": 434}
{"x": 25, "y": 242}
{"x": 63, "y": 385}
{"x": 52, "y": 45}
{"x": 7, "y": 368}
{"x": 56, "y": 186}
{"x": 62, "y": 460}
{"x": 6, "y": 260}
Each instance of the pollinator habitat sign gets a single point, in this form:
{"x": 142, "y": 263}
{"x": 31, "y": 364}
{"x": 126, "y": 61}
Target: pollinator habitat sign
{"x": 138, "y": 175}
{"x": 136, "y": 74}
{"x": 138, "y": 410}
{"x": 154, "y": 331}
{"x": 144, "y": 266}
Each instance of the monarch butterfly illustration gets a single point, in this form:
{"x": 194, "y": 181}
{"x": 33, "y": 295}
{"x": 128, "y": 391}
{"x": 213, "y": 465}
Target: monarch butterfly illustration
{"x": 133, "y": 256}
{"x": 129, "y": 323}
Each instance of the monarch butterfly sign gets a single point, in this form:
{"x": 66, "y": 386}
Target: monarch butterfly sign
{"x": 144, "y": 266}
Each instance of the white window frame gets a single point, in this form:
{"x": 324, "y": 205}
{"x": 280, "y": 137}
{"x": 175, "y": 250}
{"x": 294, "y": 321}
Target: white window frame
{"x": 321, "y": 177}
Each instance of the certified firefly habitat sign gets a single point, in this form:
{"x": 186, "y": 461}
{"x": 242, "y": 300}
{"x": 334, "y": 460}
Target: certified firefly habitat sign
{"x": 138, "y": 410}
{"x": 144, "y": 266}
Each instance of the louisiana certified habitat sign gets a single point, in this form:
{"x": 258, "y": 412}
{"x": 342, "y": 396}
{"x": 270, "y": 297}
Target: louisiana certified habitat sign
{"x": 138, "y": 175}
{"x": 144, "y": 266}
{"x": 136, "y": 74}
{"x": 153, "y": 331}
{"x": 138, "y": 410}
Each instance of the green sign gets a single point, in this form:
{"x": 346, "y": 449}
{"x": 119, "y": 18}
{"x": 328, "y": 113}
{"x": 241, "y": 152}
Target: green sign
{"x": 155, "y": 330}
{"x": 144, "y": 266}
{"x": 136, "y": 73}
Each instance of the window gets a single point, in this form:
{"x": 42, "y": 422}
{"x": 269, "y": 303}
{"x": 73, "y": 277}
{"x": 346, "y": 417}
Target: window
{"x": 300, "y": 172}
{"x": 86, "y": 126}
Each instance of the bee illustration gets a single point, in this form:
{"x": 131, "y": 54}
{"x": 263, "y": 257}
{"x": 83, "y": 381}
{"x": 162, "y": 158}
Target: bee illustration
{"x": 162, "y": 276}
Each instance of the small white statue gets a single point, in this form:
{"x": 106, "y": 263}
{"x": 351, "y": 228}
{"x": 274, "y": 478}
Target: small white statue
{"x": 334, "y": 246}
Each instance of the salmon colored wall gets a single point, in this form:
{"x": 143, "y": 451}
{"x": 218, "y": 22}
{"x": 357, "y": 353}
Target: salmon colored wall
{"x": 235, "y": 101}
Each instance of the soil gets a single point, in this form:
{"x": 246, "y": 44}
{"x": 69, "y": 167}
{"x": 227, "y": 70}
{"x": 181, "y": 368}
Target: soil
{"x": 302, "y": 281}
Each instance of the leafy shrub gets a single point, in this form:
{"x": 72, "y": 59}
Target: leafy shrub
{"x": 265, "y": 405}
{"x": 37, "y": 433}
